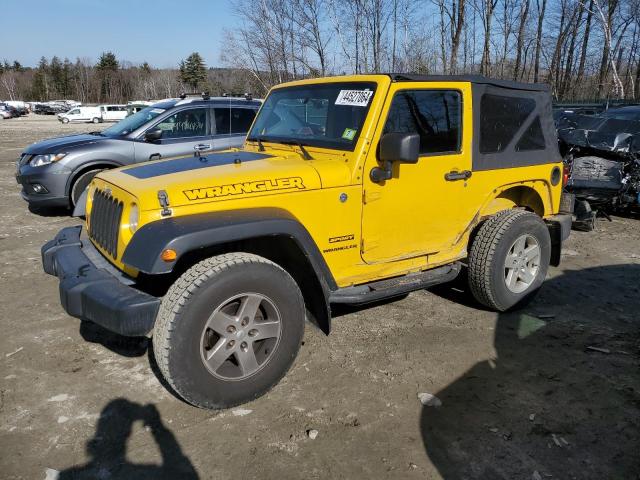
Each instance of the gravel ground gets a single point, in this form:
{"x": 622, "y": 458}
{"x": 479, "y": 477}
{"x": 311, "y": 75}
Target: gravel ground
{"x": 550, "y": 391}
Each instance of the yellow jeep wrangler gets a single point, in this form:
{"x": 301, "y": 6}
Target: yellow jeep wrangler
{"x": 347, "y": 190}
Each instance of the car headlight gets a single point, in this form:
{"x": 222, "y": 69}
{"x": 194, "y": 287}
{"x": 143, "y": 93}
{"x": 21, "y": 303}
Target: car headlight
{"x": 46, "y": 159}
{"x": 133, "y": 218}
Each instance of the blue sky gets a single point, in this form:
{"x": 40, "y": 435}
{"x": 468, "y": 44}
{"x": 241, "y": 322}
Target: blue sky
{"x": 161, "y": 32}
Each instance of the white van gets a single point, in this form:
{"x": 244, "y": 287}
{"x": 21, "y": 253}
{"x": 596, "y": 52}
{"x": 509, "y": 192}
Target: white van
{"x": 81, "y": 114}
{"x": 113, "y": 113}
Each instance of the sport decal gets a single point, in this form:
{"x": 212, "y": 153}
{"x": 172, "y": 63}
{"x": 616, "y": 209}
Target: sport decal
{"x": 354, "y": 98}
{"x": 259, "y": 186}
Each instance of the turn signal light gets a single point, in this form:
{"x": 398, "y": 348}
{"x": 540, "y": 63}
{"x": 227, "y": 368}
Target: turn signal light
{"x": 168, "y": 255}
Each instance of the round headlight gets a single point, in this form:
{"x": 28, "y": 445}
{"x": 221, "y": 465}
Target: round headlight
{"x": 133, "y": 218}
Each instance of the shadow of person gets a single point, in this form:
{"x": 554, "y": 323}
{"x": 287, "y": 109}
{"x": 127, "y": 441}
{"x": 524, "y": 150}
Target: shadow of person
{"x": 548, "y": 403}
{"x": 107, "y": 448}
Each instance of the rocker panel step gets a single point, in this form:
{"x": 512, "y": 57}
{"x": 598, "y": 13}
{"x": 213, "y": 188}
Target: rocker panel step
{"x": 393, "y": 287}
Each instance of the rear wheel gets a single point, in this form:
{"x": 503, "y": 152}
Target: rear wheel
{"x": 228, "y": 330}
{"x": 509, "y": 259}
{"x": 95, "y": 120}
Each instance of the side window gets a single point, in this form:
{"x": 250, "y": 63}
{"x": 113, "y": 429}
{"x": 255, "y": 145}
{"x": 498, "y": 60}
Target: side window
{"x": 223, "y": 120}
{"x": 241, "y": 119}
{"x": 435, "y": 115}
{"x": 185, "y": 123}
{"x": 500, "y": 118}
{"x": 74, "y": 112}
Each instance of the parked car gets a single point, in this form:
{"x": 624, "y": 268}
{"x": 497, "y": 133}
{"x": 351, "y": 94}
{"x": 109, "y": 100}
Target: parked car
{"x": 135, "y": 107}
{"x": 112, "y": 113}
{"x": 19, "y": 105}
{"x": 10, "y": 111}
{"x": 81, "y": 114}
{"x": 5, "y": 113}
{"x": 56, "y": 171}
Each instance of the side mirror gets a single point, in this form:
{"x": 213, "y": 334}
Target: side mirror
{"x": 395, "y": 147}
{"x": 153, "y": 135}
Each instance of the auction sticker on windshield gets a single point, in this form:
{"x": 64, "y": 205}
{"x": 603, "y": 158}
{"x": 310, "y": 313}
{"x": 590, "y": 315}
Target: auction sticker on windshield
{"x": 354, "y": 98}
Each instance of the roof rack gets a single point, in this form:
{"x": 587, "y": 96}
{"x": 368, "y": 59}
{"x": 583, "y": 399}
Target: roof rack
{"x": 246, "y": 95}
{"x": 204, "y": 95}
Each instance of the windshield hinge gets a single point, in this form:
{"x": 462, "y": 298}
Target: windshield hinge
{"x": 163, "y": 198}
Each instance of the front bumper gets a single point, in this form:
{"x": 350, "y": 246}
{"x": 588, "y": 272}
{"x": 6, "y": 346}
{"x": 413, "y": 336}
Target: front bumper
{"x": 90, "y": 292}
{"x": 53, "y": 178}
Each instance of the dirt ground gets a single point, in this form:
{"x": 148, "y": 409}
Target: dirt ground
{"x": 523, "y": 394}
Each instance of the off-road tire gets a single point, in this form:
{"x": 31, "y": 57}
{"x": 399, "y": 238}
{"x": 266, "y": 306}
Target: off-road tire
{"x": 80, "y": 184}
{"x": 488, "y": 253}
{"x": 184, "y": 312}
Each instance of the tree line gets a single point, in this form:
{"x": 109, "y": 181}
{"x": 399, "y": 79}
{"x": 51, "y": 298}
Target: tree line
{"x": 584, "y": 49}
{"x": 110, "y": 80}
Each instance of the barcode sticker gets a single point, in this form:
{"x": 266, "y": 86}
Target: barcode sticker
{"x": 354, "y": 98}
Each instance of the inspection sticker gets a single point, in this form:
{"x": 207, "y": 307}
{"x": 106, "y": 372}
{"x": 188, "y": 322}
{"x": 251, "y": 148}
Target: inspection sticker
{"x": 349, "y": 133}
{"x": 354, "y": 98}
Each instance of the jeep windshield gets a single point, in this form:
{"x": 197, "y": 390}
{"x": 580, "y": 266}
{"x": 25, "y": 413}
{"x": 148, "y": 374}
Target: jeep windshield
{"x": 133, "y": 122}
{"x": 328, "y": 115}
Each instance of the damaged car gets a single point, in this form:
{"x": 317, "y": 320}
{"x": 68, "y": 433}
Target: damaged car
{"x": 602, "y": 162}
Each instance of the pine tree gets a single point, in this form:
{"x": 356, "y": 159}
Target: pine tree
{"x": 193, "y": 71}
{"x": 107, "y": 68}
{"x": 40, "y": 87}
{"x": 55, "y": 68}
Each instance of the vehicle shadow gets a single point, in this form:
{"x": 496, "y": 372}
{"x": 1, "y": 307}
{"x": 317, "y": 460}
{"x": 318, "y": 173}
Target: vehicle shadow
{"x": 125, "y": 346}
{"x": 108, "y": 447}
{"x": 50, "y": 211}
{"x": 548, "y": 403}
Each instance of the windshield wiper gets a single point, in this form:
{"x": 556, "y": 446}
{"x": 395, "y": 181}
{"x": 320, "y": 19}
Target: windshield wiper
{"x": 258, "y": 140}
{"x": 298, "y": 143}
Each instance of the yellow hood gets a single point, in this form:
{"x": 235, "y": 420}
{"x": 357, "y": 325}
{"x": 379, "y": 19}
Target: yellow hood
{"x": 218, "y": 176}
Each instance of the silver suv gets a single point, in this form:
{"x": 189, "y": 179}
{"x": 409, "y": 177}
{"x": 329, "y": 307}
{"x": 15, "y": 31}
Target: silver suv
{"x": 56, "y": 171}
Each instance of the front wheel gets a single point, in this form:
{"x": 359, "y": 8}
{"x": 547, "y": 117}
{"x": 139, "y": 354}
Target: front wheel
{"x": 95, "y": 120}
{"x": 228, "y": 330}
{"x": 509, "y": 259}
{"x": 81, "y": 184}
{"x": 65, "y": 120}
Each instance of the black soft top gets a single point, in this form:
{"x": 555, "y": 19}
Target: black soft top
{"x": 477, "y": 79}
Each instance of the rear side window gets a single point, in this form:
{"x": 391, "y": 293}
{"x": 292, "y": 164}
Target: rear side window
{"x": 435, "y": 115}
{"x": 532, "y": 138}
{"x": 500, "y": 118}
{"x": 186, "y": 123}
{"x": 222, "y": 116}
{"x": 241, "y": 119}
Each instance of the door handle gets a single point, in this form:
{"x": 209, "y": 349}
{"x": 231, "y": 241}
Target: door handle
{"x": 455, "y": 175}
{"x": 202, "y": 146}
{"x": 155, "y": 156}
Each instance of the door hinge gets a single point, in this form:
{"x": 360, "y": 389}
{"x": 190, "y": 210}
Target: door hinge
{"x": 163, "y": 199}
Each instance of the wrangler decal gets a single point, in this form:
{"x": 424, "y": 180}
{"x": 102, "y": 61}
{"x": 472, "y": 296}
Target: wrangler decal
{"x": 242, "y": 188}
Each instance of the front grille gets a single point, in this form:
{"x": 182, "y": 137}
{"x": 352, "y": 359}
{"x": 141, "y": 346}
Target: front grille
{"x": 104, "y": 221}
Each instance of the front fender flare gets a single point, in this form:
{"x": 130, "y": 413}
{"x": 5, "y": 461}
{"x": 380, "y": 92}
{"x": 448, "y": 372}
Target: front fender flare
{"x": 191, "y": 232}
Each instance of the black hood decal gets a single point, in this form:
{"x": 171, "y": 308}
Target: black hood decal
{"x": 192, "y": 163}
